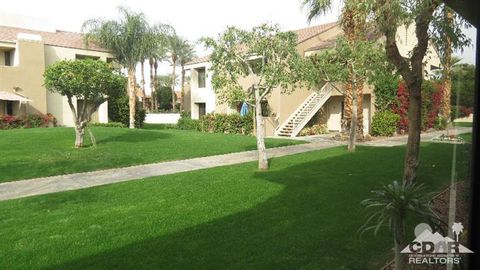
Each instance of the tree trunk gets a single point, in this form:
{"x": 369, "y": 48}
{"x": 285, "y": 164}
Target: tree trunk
{"x": 359, "y": 95}
{"x": 174, "y": 61}
{"x": 182, "y": 82}
{"x": 152, "y": 86}
{"x": 445, "y": 110}
{"x": 131, "y": 97}
{"x": 347, "y": 106}
{"x": 260, "y": 133}
{"x": 79, "y": 134}
{"x": 399, "y": 241}
{"x": 414, "y": 128}
{"x": 142, "y": 71}
{"x": 353, "y": 125}
{"x": 155, "y": 67}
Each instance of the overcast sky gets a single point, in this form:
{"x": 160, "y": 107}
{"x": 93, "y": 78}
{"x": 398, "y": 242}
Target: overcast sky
{"x": 191, "y": 18}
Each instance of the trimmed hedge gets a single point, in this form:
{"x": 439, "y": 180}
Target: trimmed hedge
{"x": 227, "y": 123}
{"x": 109, "y": 124}
{"x": 385, "y": 123}
{"x": 118, "y": 111}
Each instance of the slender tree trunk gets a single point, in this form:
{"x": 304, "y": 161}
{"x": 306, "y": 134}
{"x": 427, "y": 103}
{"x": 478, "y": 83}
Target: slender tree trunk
{"x": 445, "y": 110}
{"x": 353, "y": 125}
{"x": 182, "y": 82}
{"x": 399, "y": 241}
{"x": 359, "y": 102}
{"x": 155, "y": 82}
{"x": 174, "y": 61}
{"x": 414, "y": 129}
{"x": 260, "y": 133}
{"x": 131, "y": 96}
{"x": 347, "y": 106}
{"x": 142, "y": 71}
{"x": 152, "y": 86}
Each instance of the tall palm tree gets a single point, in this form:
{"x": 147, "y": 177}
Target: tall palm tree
{"x": 175, "y": 44}
{"x": 186, "y": 54}
{"x": 161, "y": 34}
{"x": 129, "y": 39}
{"x": 353, "y": 22}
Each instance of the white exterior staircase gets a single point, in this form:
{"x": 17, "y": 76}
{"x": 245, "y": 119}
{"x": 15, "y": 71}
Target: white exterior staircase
{"x": 300, "y": 117}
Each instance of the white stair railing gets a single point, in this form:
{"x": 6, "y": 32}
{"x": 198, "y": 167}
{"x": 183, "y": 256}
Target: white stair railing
{"x": 300, "y": 117}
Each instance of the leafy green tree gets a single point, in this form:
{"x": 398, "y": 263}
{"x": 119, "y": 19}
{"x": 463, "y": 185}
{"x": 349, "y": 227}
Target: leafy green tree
{"x": 347, "y": 64}
{"x": 130, "y": 39}
{"x": 90, "y": 81}
{"x": 463, "y": 85}
{"x": 389, "y": 15}
{"x": 265, "y": 58}
{"x": 391, "y": 206}
{"x": 448, "y": 36}
{"x": 355, "y": 27}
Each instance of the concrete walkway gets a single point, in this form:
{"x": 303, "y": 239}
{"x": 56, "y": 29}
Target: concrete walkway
{"x": 45, "y": 185}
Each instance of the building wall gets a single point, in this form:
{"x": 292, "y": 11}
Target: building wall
{"x": 26, "y": 75}
{"x": 57, "y": 104}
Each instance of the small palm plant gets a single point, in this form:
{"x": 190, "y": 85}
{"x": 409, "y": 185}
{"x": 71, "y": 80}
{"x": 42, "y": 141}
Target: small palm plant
{"x": 391, "y": 205}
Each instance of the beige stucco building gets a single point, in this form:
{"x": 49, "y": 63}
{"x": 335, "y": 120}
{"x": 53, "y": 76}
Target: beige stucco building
{"x": 290, "y": 112}
{"x": 24, "y": 55}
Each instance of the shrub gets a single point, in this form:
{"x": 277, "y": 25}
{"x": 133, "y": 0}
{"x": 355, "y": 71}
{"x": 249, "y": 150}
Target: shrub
{"x": 187, "y": 123}
{"x": 118, "y": 111}
{"x": 109, "y": 124}
{"x": 27, "y": 121}
{"x": 227, "y": 123}
{"x": 385, "y": 123}
{"x": 314, "y": 130}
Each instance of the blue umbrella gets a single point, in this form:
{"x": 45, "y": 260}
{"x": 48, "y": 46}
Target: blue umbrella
{"x": 244, "y": 109}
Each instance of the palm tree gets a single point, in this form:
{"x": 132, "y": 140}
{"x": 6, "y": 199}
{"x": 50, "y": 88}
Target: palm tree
{"x": 129, "y": 39}
{"x": 161, "y": 34}
{"x": 391, "y": 206}
{"x": 186, "y": 54}
{"x": 457, "y": 228}
{"x": 353, "y": 21}
{"x": 175, "y": 44}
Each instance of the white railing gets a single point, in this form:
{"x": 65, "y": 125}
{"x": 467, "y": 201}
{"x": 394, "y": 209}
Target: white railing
{"x": 322, "y": 97}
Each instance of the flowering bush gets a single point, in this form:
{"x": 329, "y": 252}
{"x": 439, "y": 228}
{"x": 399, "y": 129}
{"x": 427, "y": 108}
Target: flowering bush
{"x": 27, "y": 121}
{"x": 401, "y": 108}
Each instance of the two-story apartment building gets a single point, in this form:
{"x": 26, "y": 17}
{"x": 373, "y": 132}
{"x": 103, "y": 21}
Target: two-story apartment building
{"x": 289, "y": 113}
{"x": 24, "y": 55}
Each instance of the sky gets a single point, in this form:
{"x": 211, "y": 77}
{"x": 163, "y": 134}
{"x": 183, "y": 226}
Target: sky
{"x": 192, "y": 19}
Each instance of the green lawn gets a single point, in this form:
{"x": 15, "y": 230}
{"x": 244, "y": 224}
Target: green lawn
{"x": 29, "y": 153}
{"x": 301, "y": 214}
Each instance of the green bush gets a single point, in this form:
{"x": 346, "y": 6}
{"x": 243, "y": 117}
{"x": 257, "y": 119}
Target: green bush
{"x": 187, "y": 123}
{"x": 118, "y": 111}
{"x": 109, "y": 124}
{"x": 314, "y": 130}
{"x": 384, "y": 123}
{"x": 227, "y": 123}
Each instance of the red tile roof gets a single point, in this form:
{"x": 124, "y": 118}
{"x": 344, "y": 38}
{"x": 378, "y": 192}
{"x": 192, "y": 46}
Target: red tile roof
{"x": 303, "y": 34}
{"x": 57, "y": 38}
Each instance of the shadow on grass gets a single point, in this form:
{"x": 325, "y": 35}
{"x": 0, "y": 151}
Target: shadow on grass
{"x": 311, "y": 224}
{"x": 133, "y": 136}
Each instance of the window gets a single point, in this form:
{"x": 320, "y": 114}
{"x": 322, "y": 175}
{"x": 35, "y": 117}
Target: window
{"x": 201, "y": 109}
{"x": 8, "y": 58}
{"x": 201, "y": 77}
{"x": 83, "y": 57}
{"x": 9, "y": 107}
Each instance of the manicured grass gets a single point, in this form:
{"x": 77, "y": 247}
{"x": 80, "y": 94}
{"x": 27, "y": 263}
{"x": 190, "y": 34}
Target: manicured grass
{"x": 303, "y": 213}
{"x": 29, "y": 153}
{"x": 462, "y": 124}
